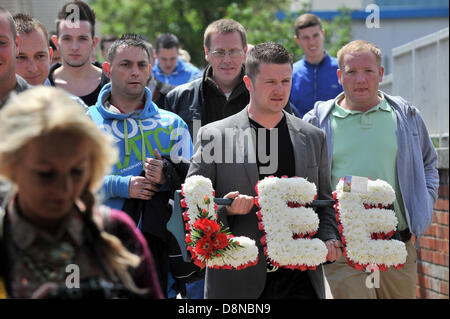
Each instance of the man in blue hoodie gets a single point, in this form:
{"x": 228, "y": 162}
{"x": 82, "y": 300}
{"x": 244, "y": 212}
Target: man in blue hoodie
{"x": 314, "y": 76}
{"x": 144, "y": 134}
{"x": 169, "y": 67}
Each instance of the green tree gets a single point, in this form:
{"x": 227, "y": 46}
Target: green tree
{"x": 338, "y": 31}
{"x": 188, "y": 19}
{"x": 261, "y": 22}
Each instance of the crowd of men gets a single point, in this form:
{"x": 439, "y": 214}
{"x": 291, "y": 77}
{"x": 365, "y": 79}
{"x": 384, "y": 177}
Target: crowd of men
{"x": 156, "y": 106}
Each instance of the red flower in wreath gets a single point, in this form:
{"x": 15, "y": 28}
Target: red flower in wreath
{"x": 220, "y": 241}
{"x": 208, "y": 226}
{"x": 204, "y": 247}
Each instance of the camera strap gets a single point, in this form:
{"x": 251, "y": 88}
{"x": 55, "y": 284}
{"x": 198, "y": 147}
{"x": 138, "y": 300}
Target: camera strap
{"x": 3, "y": 262}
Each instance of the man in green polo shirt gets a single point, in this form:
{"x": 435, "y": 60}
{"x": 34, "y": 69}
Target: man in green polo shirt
{"x": 375, "y": 135}
{"x": 365, "y": 144}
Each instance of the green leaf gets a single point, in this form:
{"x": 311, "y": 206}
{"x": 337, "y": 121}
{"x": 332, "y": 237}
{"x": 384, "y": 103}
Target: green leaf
{"x": 189, "y": 19}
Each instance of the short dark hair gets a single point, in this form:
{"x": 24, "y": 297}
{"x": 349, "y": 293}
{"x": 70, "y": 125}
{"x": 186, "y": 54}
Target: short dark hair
{"x": 268, "y": 53}
{"x": 167, "y": 41}
{"x": 128, "y": 39}
{"x": 306, "y": 20}
{"x": 11, "y": 22}
{"x": 148, "y": 44}
{"x": 86, "y": 14}
{"x": 107, "y": 38}
{"x": 27, "y": 24}
{"x": 224, "y": 26}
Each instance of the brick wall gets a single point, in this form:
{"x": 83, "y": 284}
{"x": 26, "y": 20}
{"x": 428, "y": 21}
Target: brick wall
{"x": 432, "y": 254}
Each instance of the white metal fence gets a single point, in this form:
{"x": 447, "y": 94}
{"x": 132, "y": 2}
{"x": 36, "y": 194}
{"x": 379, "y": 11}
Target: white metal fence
{"x": 420, "y": 75}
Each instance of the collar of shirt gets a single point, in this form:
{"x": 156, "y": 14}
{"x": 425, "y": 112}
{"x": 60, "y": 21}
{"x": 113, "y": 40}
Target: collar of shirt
{"x": 24, "y": 233}
{"x": 256, "y": 125}
{"x": 118, "y": 110}
{"x": 209, "y": 82}
{"x": 325, "y": 58}
{"x": 339, "y": 111}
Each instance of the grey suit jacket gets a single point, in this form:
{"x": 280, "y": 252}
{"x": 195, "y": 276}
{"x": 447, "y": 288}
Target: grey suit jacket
{"x": 311, "y": 162}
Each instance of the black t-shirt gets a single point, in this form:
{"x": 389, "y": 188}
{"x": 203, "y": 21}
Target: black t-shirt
{"x": 217, "y": 105}
{"x": 284, "y": 153}
{"x": 282, "y": 283}
{"x": 89, "y": 99}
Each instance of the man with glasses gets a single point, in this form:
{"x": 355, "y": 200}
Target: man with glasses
{"x": 221, "y": 91}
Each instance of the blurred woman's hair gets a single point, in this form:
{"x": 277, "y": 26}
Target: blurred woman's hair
{"x": 42, "y": 111}
{"x": 45, "y": 110}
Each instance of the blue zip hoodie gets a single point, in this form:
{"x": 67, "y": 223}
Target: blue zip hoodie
{"x": 416, "y": 158}
{"x": 313, "y": 82}
{"x": 136, "y": 135}
{"x": 184, "y": 72}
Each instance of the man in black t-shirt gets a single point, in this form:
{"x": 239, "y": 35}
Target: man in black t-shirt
{"x": 298, "y": 149}
{"x": 76, "y": 41}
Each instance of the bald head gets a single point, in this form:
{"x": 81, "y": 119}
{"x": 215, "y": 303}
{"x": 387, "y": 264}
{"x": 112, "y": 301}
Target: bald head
{"x": 8, "y": 53}
{"x": 12, "y": 27}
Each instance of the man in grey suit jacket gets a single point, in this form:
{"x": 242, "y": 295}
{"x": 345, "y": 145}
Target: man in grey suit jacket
{"x": 226, "y": 153}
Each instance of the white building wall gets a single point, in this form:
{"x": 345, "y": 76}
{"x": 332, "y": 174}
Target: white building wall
{"x": 15, "y": 5}
{"x": 396, "y": 32}
{"x": 420, "y": 75}
{"x": 45, "y": 11}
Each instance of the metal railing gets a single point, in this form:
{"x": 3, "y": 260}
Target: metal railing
{"x": 420, "y": 75}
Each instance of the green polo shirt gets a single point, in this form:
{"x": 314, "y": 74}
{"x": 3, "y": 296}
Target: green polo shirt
{"x": 365, "y": 144}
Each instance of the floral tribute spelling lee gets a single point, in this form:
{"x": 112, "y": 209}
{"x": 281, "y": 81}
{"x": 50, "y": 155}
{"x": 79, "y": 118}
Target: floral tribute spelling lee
{"x": 364, "y": 222}
{"x": 212, "y": 245}
{"x": 288, "y": 224}
{"x": 366, "y": 225}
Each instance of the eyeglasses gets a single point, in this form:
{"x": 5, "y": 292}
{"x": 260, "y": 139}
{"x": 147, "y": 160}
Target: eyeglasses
{"x": 234, "y": 53}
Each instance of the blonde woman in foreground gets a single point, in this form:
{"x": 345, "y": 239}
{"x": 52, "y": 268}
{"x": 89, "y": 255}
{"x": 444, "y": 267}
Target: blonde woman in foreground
{"x": 55, "y": 242}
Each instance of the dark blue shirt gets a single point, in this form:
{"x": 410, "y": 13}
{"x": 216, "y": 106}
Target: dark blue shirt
{"x": 313, "y": 82}
{"x": 184, "y": 72}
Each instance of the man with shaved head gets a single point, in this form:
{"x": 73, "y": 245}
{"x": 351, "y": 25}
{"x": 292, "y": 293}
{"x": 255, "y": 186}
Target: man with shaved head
{"x": 9, "y": 81}
{"x": 35, "y": 55}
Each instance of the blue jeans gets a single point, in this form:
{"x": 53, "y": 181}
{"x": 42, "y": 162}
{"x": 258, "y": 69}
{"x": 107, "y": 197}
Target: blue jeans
{"x": 196, "y": 289}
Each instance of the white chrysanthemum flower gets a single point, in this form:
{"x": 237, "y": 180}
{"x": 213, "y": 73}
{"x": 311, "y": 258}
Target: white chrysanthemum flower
{"x": 236, "y": 257}
{"x": 195, "y": 189}
{"x": 359, "y": 223}
{"x": 282, "y": 222}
